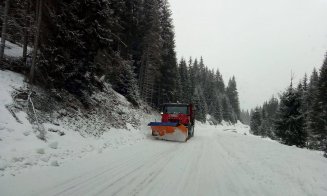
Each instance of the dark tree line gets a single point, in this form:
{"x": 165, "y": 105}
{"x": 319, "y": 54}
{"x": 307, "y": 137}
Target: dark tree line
{"x": 206, "y": 89}
{"x": 78, "y": 45}
{"x": 263, "y": 118}
{"x": 300, "y": 117}
{"x": 18, "y": 23}
{"x": 245, "y": 117}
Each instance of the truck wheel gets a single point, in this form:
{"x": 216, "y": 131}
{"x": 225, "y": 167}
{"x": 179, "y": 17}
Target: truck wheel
{"x": 189, "y": 131}
{"x": 187, "y": 137}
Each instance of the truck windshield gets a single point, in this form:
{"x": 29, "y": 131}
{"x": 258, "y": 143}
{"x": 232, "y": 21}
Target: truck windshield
{"x": 175, "y": 110}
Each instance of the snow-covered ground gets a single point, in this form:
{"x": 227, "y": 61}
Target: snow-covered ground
{"x": 219, "y": 160}
{"x": 215, "y": 162}
{"x": 14, "y": 50}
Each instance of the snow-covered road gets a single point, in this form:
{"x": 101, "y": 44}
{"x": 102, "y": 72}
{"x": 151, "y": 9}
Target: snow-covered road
{"x": 215, "y": 162}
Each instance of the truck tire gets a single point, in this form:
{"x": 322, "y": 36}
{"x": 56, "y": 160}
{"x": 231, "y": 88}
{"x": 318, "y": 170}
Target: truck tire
{"x": 192, "y": 133}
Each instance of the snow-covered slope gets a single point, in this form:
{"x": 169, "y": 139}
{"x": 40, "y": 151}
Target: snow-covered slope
{"x": 21, "y": 149}
{"x": 13, "y": 50}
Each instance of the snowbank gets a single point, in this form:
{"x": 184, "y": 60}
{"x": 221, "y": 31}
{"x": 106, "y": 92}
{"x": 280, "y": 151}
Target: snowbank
{"x": 20, "y": 148}
{"x": 225, "y": 126}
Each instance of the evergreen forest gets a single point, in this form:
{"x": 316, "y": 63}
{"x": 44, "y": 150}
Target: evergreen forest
{"x": 79, "y": 45}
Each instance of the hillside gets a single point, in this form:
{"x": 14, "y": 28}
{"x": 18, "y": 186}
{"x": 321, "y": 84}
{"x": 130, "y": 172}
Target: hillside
{"x": 57, "y": 130}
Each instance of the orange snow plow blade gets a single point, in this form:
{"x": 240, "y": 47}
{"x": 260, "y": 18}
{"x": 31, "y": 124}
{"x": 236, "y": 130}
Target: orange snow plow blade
{"x": 169, "y": 131}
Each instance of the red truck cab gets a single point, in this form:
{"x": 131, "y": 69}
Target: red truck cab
{"x": 178, "y": 112}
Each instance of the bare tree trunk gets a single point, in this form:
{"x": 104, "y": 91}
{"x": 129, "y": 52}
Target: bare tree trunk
{"x": 37, "y": 3}
{"x": 25, "y": 34}
{"x": 4, "y": 30}
{"x": 36, "y": 40}
{"x": 142, "y": 74}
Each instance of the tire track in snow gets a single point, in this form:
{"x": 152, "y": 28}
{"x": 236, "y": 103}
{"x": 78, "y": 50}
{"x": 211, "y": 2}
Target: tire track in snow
{"x": 193, "y": 166}
{"x": 81, "y": 180}
{"x": 89, "y": 175}
{"x": 149, "y": 174}
{"x": 262, "y": 172}
{"x": 243, "y": 177}
{"x": 87, "y": 183}
{"x": 141, "y": 169}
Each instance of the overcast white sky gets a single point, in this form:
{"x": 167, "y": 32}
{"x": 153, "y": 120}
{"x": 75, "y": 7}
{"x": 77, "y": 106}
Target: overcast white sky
{"x": 258, "y": 41}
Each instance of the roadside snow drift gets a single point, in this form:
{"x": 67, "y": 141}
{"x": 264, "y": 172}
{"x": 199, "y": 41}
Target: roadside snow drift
{"x": 21, "y": 149}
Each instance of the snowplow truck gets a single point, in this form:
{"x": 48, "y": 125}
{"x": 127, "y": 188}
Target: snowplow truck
{"x": 177, "y": 122}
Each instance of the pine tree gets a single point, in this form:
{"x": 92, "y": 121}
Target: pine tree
{"x": 290, "y": 121}
{"x": 265, "y": 128}
{"x": 271, "y": 108}
{"x": 200, "y": 104}
{"x": 93, "y": 35}
{"x": 305, "y": 101}
{"x": 201, "y": 73}
{"x": 186, "y": 94}
{"x": 217, "y": 109}
{"x": 313, "y": 123}
{"x": 36, "y": 39}
{"x": 209, "y": 87}
{"x": 132, "y": 32}
{"x": 219, "y": 82}
{"x": 245, "y": 117}
{"x": 179, "y": 88}
{"x": 227, "y": 112}
{"x": 232, "y": 94}
{"x": 121, "y": 74}
{"x": 194, "y": 72}
{"x": 301, "y": 116}
{"x": 322, "y": 99}
{"x": 151, "y": 59}
{"x": 255, "y": 121}
{"x": 123, "y": 80}
{"x": 4, "y": 29}
{"x": 168, "y": 68}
